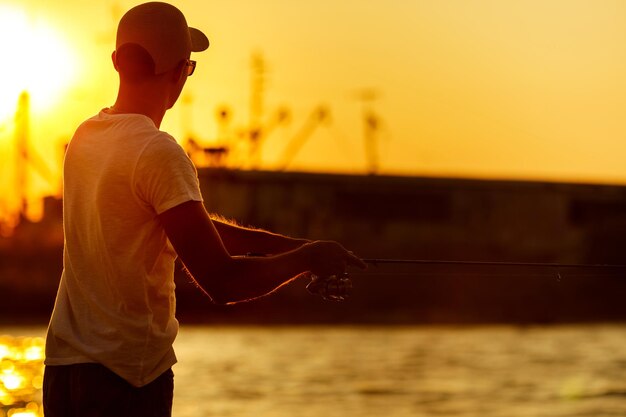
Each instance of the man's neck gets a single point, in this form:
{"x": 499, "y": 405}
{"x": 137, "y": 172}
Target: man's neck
{"x": 155, "y": 115}
{"x": 144, "y": 101}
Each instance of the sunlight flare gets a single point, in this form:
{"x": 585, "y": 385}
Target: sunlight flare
{"x": 37, "y": 60}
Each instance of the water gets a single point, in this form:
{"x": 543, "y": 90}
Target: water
{"x": 399, "y": 371}
{"x": 408, "y": 371}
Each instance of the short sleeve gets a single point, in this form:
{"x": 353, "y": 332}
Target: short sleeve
{"x": 165, "y": 176}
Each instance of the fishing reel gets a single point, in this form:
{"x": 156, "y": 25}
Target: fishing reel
{"x": 332, "y": 288}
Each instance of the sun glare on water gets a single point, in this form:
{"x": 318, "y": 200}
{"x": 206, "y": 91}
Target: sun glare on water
{"x": 36, "y": 59}
{"x": 21, "y": 376}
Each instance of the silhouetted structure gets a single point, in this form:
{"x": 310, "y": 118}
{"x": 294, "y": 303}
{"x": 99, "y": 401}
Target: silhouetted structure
{"x": 430, "y": 218}
{"x": 395, "y": 217}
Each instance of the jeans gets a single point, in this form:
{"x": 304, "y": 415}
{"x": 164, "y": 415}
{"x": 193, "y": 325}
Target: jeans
{"x": 92, "y": 390}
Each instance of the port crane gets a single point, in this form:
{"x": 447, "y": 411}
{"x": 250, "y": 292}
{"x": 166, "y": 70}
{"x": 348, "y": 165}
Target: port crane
{"x": 371, "y": 128}
{"x": 225, "y": 151}
{"x": 318, "y": 116}
{"x": 26, "y": 156}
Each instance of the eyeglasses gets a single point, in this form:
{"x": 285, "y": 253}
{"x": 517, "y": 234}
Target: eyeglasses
{"x": 191, "y": 66}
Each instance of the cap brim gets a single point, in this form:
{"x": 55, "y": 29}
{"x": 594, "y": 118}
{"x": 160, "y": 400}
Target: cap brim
{"x": 199, "y": 41}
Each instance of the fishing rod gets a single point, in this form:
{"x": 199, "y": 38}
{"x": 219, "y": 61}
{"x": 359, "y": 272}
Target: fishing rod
{"x": 376, "y": 262}
{"x": 339, "y": 287}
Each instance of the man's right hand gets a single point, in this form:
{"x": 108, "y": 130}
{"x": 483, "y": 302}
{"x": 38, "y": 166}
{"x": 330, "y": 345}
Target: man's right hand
{"x": 328, "y": 258}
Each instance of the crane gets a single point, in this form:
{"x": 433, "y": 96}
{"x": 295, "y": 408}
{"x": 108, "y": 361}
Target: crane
{"x": 25, "y": 155}
{"x": 372, "y": 125}
{"x": 318, "y": 116}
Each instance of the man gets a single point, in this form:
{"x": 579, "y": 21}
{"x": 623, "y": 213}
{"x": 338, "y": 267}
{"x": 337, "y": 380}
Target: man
{"x": 131, "y": 205}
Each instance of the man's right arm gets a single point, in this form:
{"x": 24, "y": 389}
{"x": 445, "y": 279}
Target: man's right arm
{"x": 230, "y": 279}
{"x": 240, "y": 240}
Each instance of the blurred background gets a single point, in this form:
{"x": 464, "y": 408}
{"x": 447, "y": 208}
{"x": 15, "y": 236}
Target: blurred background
{"x": 447, "y": 130}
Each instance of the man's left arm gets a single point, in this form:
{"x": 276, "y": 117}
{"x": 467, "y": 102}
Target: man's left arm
{"x": 240, "y": 240}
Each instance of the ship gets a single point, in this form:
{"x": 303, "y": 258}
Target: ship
{"x": 392, "y": 217}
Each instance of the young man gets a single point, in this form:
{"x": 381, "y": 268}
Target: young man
{"x": 131, "y": 205}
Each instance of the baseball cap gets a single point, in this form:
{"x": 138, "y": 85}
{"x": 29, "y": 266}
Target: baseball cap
{"x": 162, "y": 30}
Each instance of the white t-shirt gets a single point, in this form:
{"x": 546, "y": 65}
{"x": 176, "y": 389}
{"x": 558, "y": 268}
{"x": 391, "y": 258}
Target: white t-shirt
{"x": 115, "y": 304}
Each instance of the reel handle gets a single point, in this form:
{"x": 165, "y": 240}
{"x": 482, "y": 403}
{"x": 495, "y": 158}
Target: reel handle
{"x": 332, "y": 288}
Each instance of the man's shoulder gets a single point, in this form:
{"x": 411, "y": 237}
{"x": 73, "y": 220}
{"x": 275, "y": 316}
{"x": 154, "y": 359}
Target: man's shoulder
{"x": 130, "y": 128}
{"x": 160, "y": 141}
{"x": 161, "y": 147}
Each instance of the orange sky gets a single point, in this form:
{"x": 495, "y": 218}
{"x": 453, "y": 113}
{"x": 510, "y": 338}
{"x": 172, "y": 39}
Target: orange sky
{"x": 497, "y": 89}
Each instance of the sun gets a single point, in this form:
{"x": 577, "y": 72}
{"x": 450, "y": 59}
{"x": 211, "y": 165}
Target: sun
{"x": 35, "y": 58}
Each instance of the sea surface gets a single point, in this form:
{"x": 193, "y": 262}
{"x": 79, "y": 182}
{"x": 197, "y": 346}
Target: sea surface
{"x": 325, "y": 371}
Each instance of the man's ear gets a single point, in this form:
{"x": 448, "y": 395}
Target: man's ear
{"x": 114, "y": 59}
